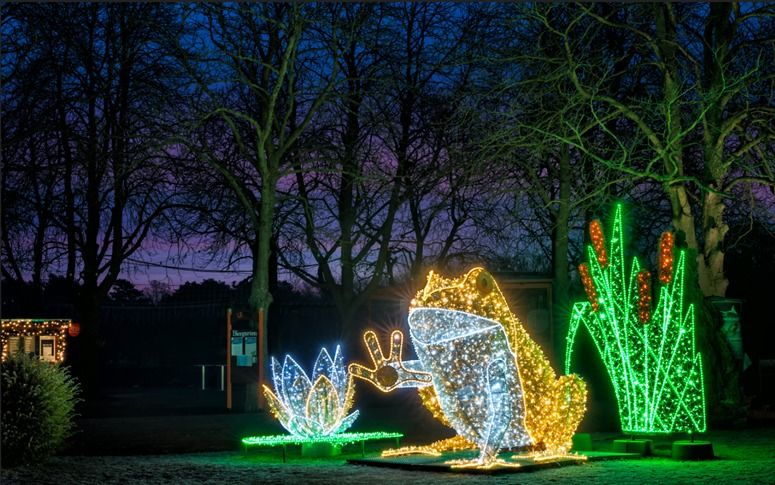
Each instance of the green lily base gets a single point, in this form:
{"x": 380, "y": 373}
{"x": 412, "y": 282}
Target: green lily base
{"x": 319, "y": 446}
{"x": 320, "y": 450}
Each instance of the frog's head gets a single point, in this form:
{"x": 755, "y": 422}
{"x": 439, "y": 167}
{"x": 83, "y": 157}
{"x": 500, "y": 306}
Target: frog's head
{"x": 475, "y": 292}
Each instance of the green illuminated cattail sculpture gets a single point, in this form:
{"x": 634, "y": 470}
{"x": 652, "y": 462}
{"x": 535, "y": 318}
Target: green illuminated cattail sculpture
{"x": 649, "y": 353}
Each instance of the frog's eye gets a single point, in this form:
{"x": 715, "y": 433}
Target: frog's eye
{"x": 485, "y": 283}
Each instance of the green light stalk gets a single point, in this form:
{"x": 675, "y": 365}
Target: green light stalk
{"x": 651, "y": 359}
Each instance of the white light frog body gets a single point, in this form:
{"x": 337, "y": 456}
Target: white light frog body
{"x": 474, "y": 375}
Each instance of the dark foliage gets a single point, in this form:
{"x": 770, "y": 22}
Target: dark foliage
{"x": 38, "y": 401}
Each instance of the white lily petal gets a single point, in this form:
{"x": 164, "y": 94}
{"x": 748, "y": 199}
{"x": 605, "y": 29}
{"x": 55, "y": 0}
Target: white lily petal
{"x": 339, "y": 377}
{"x": 296, "y": 386}
{"x": 277, "y": 380}
{"x": 347, "y": 422}
{"x": 324, "y": 365}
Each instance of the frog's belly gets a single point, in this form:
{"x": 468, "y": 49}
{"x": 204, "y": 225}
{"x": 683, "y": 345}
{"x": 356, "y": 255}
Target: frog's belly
{"x": 458, "y": 359}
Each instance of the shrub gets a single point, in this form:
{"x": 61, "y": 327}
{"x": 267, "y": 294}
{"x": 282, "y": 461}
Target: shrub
{"x": 38, "y": 401}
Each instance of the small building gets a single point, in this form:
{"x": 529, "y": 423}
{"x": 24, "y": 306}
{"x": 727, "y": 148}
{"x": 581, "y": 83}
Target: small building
{"x": 45, "y": 338}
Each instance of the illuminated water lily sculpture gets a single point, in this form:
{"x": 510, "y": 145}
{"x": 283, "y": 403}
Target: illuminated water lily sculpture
{"x": 312, "y": 407}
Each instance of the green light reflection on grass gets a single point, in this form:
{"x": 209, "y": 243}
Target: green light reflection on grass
{"x": 335, "y": 439}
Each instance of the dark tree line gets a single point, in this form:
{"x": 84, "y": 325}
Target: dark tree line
{"x": 353, "y": 146}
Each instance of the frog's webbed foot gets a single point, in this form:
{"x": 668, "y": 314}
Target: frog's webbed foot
{"x": 482, "y": 463}
{"x": 456, "y": 443}
{"x": 412, "y": 450}
{"x": 552, "y": 455}
{"x": 388, "y": 373}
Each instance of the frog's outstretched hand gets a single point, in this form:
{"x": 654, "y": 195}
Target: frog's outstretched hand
{"x": 391, "y": 372}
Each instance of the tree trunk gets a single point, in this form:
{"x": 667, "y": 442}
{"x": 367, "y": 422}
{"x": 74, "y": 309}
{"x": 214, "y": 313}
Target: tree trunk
{"x": 711, "y": 261}
{"x": 347, "y": 209}
{"x": 260, "y": 296}
{"x": 718, "y": 35}
{"x": 561, "y": 283}
{"x": 88, "y": 358}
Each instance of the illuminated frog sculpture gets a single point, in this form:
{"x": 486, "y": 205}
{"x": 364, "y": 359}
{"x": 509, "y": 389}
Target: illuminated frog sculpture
{"x": 478, "y": 371}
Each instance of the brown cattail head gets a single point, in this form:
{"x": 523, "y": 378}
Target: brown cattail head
{"x": 589, "y": 286}
{"x": 644, "y": 296}
{"x": 665, "y": 259}
{"x": 598, "y": 242}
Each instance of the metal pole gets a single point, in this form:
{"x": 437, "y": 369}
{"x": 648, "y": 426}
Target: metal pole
{"x": 222, "y": 366}
{"x": 203, "y": 377}
{"x": 261, "y": 358}
{"x": 228, "y": 359}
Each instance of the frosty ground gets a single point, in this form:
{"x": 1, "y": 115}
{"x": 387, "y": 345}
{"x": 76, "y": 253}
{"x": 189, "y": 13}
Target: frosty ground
{"x": 746, "y": 456}
{"x": 139, "y": 443}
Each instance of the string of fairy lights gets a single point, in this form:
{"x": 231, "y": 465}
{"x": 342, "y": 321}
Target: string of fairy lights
{"x": 644, "y": 295}
{"x": 335, "y": 439}
{"x": 665, "y": 259}
{"x": 598, "y": 242}
{"x": 35, "y": 328}
{"x": 589, "y": 286}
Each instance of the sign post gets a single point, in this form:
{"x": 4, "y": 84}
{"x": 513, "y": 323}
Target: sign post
{"x": 243, "y": 355}
{"x": 261, "y": 359}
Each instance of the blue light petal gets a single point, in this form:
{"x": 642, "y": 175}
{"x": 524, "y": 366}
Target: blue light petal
{"x": 324, "y": 366}
{"x": 296, "y": 386}
{"x": 347, "y": 422}
{"x": 277, "y": 380}
{"x": 339, "y": 377}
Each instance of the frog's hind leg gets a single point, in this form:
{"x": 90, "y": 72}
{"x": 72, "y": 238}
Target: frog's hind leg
{"x": 501, "y": 407}
{"x": 570, "y": 399}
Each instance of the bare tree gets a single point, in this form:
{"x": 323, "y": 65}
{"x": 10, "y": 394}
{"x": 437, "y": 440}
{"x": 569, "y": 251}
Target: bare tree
{"x": 379, "y": 198}
{"x": 693, "y": 118}
{"x": 541, "y": 188}
{"x": 701, "y": 117}
{"x": 257, "y": 76}
{"x": 103, "y": 79}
